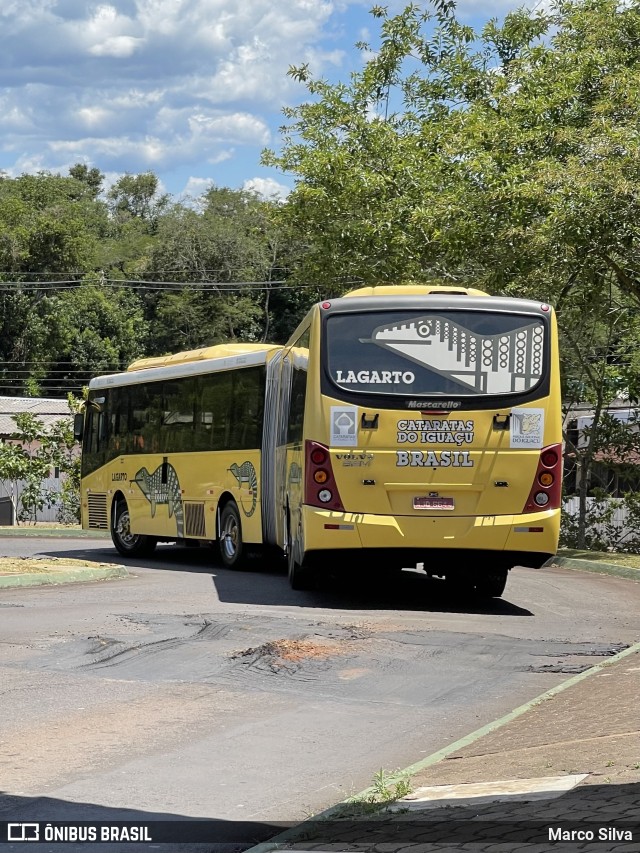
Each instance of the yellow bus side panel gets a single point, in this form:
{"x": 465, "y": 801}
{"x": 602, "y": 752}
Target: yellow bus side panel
{"x": 184, "y": 506}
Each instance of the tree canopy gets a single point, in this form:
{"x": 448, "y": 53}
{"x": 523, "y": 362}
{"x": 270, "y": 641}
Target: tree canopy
{"x": 507, "y": 156}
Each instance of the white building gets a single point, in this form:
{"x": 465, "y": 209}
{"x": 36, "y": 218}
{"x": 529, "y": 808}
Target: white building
{"x": 48, "y": 411}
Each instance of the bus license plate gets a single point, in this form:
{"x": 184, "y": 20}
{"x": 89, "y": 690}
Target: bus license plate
{"x": 433, "y": 503}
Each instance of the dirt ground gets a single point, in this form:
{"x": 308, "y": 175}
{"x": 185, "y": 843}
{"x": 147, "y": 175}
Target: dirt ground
{"x": 35, "y": 565}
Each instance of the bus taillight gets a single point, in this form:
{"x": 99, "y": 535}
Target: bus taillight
{"x": 547, "y": 484}
{"x": 320, "y": 485}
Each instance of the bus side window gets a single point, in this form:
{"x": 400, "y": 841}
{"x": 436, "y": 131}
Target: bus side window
{"x": 179, "y": 414}
{"x": 93, "y": 455}
{"x": 296, "y": 410}
{"x": 248, "y": 407}
{"x": 136, "y": 414}
{"x": 216, "y": 410}
{"x": 299, "y": 355}
{"x": 117, "y": 422}
{"x": 284, "y": 402}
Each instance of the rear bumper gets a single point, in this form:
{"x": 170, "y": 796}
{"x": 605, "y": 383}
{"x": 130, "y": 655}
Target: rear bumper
{"x": 531, "y": 538}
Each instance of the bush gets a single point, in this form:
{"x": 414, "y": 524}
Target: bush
{"x": 603, "y": 531}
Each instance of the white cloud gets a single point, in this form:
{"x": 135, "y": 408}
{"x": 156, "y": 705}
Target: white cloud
{"x": 267, "y": 188}
{"x": 139, "y": 84}
{"x": 131, "y": 85}
{"x": 118, "y": 46}
{"x": 234, "y": 127}
{"x": 197, "y": 186}
{"x": 221, "y": 156}
{"x": 94, "y": 116}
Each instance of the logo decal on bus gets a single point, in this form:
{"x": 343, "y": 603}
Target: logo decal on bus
{"x": 500, "y": 363}
{"x": 157, "y": 492}
{"x": 355, "y": 460}
{"x": 434, "y": 459}
{"x": 245, "y": 474}
{"x": 376, "y": 377}
{"x": 295, "y": 474}
{"x": 435, "y": 432}
{"x": 527, "y": 428}
{"x": 344, "y": 426}
{"x": 430, "y": 404}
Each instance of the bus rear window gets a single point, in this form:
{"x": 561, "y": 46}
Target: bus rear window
{"x": 419, "y": 353}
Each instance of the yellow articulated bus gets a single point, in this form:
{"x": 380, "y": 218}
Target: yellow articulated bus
{"x": 399, "y": 425}
{"x": 171, "y": 450}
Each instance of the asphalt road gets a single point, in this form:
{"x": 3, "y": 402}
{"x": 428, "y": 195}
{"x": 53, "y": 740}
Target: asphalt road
{"x": 189, "y": 691}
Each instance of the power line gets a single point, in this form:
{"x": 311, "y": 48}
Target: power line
{"x": 170, "y": 286}
{"x": 143, "y": 284}
{"x": 75, "y": 274}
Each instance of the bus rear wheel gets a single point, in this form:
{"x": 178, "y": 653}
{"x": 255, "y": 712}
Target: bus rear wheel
{"x": 492, "y": 584}
{"x": 299, "y": 571}
{"x": 232, "y": 548}
{"x": 128, "y": 543}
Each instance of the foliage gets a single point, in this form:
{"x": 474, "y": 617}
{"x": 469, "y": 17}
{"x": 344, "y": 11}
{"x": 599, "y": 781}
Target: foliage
{"x": 88, "y": 283}
{"x": 69, "y": 461}
{"x": 28, "y": 459}
{"x": 508, "y": 157}
{"x": 386, "y": 787}
{"x": 209, "y": 259}
{"x": 600, "y": 528}
{"x": 137, "y": 197}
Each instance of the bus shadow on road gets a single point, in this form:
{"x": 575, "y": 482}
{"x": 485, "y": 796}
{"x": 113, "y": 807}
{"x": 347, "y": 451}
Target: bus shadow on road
{"x": 39, "y": 820}
{"x": 406, "y": 590}
{"x": 264, "y": 583}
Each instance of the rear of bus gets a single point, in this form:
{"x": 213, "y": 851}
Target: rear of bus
{"x": 432, "y": 434}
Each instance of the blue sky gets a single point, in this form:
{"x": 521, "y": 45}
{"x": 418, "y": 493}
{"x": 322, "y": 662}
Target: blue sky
{"x": 190, "y": 89}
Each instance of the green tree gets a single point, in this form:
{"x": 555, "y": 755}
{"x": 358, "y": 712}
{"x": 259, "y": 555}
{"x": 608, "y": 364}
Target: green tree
{"x": 90, "y": 329}
{"x": 219, "y": 264}
{"x": 93, "y": 178}
{"x": 137, "y": 197}
{"x": 50, "y": 228}
{"x": 508, "y": 157}
{"x": 28, "y": 458}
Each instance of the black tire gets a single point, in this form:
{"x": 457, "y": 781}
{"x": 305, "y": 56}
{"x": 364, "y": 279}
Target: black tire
{"x": 492, "y": 584}
{"x": 300, "y": 575}
{"x": 127, "y": 543}
{"x": 232, "y": 548}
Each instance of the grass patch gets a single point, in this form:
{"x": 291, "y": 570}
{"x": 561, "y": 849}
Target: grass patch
{"x": 386, "y": 788}
{"x": 629, "y": 561}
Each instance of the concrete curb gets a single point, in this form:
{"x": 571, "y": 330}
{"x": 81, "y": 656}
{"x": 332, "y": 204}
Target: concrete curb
{"x": 63, "y": 576}
{"x": 601, "y": 568}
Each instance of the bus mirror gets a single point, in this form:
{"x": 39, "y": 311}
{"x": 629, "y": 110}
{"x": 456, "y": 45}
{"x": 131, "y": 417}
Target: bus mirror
{"x": 78, "y": 426}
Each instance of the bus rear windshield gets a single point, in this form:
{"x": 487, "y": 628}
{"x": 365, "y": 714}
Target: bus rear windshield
{"x": 443, "y": 353}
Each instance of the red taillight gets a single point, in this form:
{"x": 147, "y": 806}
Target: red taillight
{"x": 318, "y": 455}
{"x": 320, "y": 485}
{"x": 547, "y": 484}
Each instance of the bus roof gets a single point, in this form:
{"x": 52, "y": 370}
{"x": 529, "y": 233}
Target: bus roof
{"x": 192, "y": 363}
{"x": 414, "y": 290}
{"x": 203, "y": 354}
